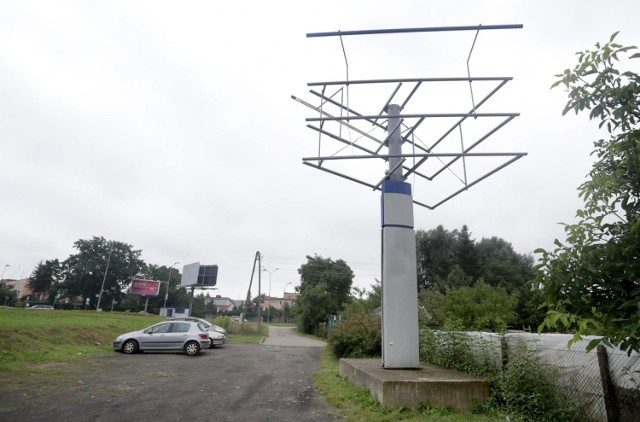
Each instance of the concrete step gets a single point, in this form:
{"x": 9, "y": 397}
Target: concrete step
{"x": 412, "y": 388}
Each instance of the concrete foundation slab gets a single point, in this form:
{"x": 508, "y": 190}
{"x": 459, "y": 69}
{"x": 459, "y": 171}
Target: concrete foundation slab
{"x": 412, "y": 388}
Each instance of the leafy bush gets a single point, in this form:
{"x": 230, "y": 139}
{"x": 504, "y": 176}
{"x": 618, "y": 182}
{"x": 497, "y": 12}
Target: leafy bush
{"x": 455, "y": 349}
{"x": 523, "y": 388}
{"x": 224, "y": 322}
{"x": 356, "y": 337}
{"x": 235, "y": 327}
{"x": 478, "y": 307}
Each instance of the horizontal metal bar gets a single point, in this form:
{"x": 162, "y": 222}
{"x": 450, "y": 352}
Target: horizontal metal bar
{"x": 434, "y": 154}
{"x": 413, "y": 91}
{"x": 344, "y": 176}
{"x": 355, "y": 129}
{"x": 478, "y": 180}
{"x": 429, "y": 207}
{"x": 412, "y": 116}
{"x": 340, "y": 139}
{"x": 412, "y": 30}
{"x": 409, "y": 80}
{"x": 475, "y": 144}
{"x": 457, "y": 124}
{"x": 342, "y": 106}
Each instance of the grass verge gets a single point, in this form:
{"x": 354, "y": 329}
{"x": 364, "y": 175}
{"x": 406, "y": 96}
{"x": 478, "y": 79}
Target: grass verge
{"x": 357, "y": 404}
{"x": 245, "y": 338}
{"x": 30, "y": 338}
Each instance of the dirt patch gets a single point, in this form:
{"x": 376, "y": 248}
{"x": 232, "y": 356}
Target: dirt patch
{"x": 235, "y": 381}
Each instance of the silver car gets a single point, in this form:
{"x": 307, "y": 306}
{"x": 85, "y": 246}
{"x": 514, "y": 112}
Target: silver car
{"x": 186, "y": 336}
{"x": 203, "y": 321}
{"x": 217, "y": 334}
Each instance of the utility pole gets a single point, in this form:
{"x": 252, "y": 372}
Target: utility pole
{"x": 104, "y": 278}
{"x": 259, "y": 293}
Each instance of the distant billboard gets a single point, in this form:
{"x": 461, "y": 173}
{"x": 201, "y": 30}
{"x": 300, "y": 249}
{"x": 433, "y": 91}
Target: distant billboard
{"x": 145, "y": 287}
{"x": 199, "y": 275}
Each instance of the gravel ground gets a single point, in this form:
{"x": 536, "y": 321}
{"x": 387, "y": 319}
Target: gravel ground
{"x": 272, "y": 381}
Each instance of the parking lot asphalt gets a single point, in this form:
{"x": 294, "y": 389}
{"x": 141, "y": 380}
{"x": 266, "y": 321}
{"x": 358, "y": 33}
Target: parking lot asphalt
{"x": 267, "y": 382}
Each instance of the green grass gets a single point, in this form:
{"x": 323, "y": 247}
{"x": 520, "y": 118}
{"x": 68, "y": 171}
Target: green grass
{"x": 282, "y": 324}
{"x": 357, "y": 404}
{"x": 30, "y": 338}
{"x": 245, "y": 338}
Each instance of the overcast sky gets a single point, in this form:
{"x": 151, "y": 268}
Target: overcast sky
{"x": 169, "y": 126}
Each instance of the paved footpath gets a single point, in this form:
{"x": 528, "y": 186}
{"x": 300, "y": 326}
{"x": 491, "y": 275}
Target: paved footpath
{"x": 266, "y": 382}
{"x": 288, "y": 336}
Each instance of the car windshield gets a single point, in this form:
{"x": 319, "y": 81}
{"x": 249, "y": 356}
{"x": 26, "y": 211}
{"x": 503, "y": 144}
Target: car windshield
{"x": 202, "y": 327}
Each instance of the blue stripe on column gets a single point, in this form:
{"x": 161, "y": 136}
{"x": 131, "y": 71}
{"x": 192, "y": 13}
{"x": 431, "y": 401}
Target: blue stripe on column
{"x": 397, "y": 226}
{"x": 396, "y": 186}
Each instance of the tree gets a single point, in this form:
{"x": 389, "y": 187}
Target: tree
{"x": 286, "y": 312}
{"x": 84, "y": 271}
{"x": 199, "y": 308}
{"x": 452, "y": 259}
{"x": 313, "y": 306}
{"x": 44, "y": 277}
{"x": 363, "y": 301}
{"x": 337, "y": 276}
{"x": 592, "y": 281}
{"x": 435, "y": 256}
{"x": 467, "y": 255}
{"x": 502, "y": 266}
{"x": 479, "y": 307}
{"x": 177, "y": 296}
{"x": 325, "y": 286}
{"x": 7, "y": 295}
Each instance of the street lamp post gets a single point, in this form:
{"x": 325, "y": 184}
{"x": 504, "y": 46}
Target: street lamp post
{"x": 166, "y": 295}
{"x": 285, "y": 304}
{"x": 3, "y": 271}
{"x": 270, "y": 273}
{"x": 285, "y": 288}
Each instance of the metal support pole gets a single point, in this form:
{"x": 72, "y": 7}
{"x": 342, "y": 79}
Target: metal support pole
{"x": 269, "y": 298}
{"x": 193, "y": 289}
{"x": 399, "y": 278}
{"x": 395, "y": 142}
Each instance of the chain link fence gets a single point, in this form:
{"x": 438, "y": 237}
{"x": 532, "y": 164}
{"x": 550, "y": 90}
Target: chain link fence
{"x": 580, "y": 376}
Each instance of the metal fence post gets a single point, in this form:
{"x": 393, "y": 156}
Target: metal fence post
{"x": 608, "y": 387}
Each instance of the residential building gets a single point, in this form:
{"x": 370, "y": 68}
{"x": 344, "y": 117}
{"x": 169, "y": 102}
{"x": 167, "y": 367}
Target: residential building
{"x": 224, "y": 304}
{"x": 21, "y": 287}
{"x": 279, "y": 302}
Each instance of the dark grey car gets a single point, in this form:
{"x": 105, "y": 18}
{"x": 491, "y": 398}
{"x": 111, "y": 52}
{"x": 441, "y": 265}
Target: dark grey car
{"x": 186, "y": 336}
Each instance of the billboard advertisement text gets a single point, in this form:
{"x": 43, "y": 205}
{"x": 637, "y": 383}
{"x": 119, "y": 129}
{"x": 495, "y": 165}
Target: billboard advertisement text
{"x": 145, "y": 287}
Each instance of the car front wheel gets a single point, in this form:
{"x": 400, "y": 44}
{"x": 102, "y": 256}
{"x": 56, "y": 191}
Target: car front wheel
{"x": 192, "y": 348}
{"x": 129, "y": 347}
